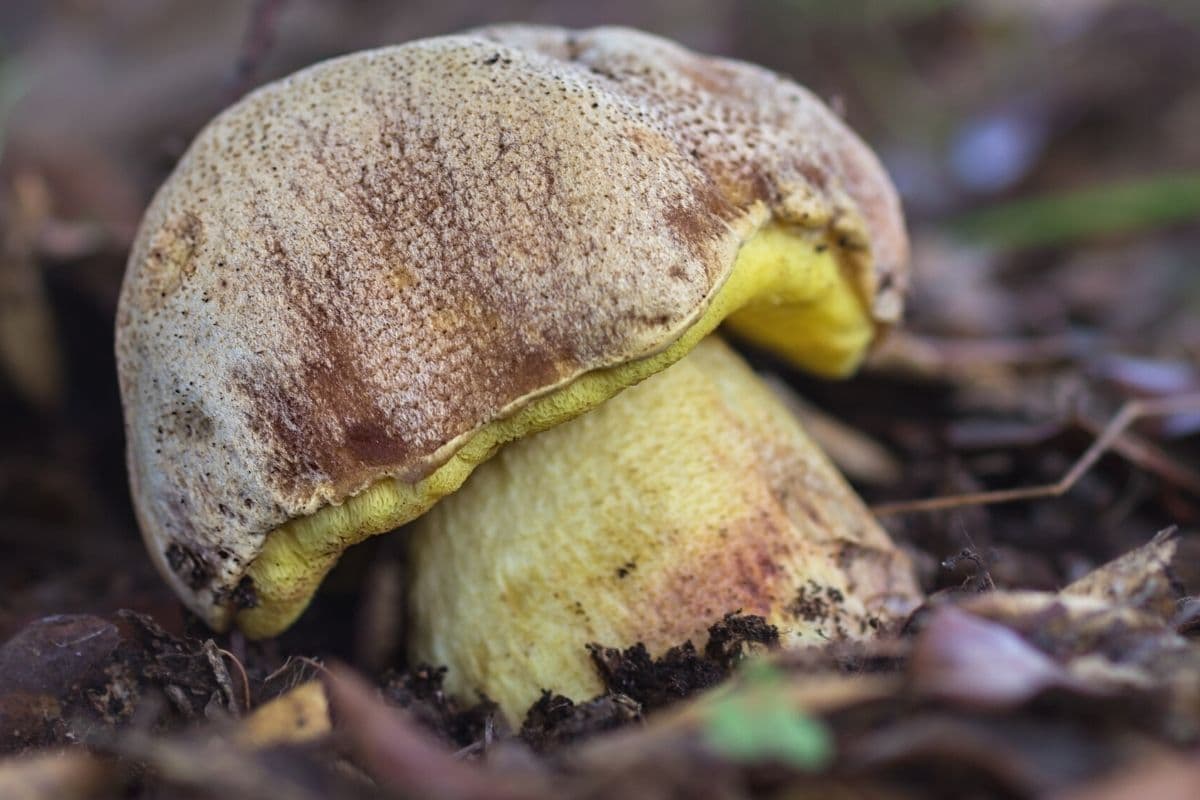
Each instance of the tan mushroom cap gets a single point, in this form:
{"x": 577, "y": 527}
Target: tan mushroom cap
{"x": 356, "y": 270}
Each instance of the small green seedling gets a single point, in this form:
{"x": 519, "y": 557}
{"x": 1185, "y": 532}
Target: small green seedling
{"x": 755, "y": 722}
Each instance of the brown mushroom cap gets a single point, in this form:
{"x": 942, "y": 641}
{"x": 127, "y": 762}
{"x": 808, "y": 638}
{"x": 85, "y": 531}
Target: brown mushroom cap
{"x": 356, "y": 268}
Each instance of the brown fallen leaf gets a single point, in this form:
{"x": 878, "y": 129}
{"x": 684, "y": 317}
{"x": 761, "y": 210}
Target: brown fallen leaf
{"x": 1139, "y": 579}
{"x": 975, "y": 663}
{"x": 1113, "y": 634}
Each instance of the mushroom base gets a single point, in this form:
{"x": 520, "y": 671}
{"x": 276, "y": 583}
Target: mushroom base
{"x": 691, "y": 495}
{"x": 788, "y": 290}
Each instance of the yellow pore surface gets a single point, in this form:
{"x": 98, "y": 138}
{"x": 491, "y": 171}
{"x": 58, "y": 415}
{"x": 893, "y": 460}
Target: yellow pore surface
{"x": 786, "y": 292}
{"x": 689, "y": 496}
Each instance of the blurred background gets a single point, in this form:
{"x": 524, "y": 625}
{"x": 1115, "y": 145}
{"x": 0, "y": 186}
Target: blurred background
{"x": 1048, "y": 152}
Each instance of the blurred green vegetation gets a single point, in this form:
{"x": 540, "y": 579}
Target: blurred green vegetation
{"x": 756, "y": 722}
{"x": 1070, "y": 217}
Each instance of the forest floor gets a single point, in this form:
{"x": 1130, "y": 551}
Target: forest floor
{"x": 1050, "y": 167}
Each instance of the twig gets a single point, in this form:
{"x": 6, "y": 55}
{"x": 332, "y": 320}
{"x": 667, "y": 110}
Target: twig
{"x": 1150, "y": 457}
{"x": 1129, "y": 413}
{"x": 314, "y": 665}
{"x": 317, "y": 666}
{"x": 282, "y": 669}
{"x": 242, "y": 673}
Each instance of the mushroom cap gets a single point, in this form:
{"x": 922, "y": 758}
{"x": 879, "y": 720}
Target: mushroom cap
{"x": 355, "y": 269}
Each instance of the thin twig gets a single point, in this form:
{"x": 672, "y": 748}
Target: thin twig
{"x": 316, "y": 666}
{"x": 1129, "y": 413}
{"x": 1150, "y": 457}
{"x": 241, "y": 672}
{"x": 282, "y": 669}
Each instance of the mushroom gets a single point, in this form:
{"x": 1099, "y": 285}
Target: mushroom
{"x": 362, "y": 280}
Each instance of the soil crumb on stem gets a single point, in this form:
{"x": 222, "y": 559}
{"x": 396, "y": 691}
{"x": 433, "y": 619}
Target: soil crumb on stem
{"x": 636, "y": 683}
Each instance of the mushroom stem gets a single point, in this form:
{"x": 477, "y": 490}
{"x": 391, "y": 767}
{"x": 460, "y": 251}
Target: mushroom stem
{"x": 693, "y": 494}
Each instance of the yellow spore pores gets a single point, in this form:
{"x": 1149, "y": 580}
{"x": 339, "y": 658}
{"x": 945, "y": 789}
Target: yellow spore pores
{"x": 787, "y": 291}
{"x": 689, "y": 496}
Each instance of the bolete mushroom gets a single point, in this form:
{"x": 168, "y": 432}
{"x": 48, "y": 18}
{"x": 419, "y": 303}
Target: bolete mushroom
{"x": 364, "y": 279}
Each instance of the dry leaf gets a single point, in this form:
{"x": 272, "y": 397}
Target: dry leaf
{"x": 1139, "y": 579}
{"x": 970, "y": 661}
